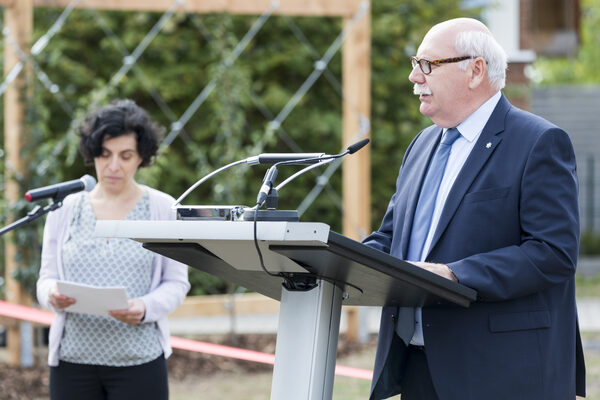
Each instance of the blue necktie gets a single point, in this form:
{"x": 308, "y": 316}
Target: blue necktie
{"x": 405, "y": 325}
{"x": 428, "y": 196}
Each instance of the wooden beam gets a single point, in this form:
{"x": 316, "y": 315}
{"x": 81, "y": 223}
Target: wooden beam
{"x": 216, "y": 304}
{"x": 356, "y": 175}
{"x": 324, "y": 8}
{"x": 356, "y": 169}
{"x": 19, "y": 20}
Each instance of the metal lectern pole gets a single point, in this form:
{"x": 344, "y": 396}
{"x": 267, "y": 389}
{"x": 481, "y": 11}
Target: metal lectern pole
{"x": 306, "y": 346}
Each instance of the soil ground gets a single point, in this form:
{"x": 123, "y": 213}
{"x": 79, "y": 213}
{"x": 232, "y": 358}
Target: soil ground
{"x": 19, "y": 383}
{"x": 198, "y": 376}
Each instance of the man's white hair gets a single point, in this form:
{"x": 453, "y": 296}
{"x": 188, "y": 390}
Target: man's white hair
{"x": 482, "y": 44}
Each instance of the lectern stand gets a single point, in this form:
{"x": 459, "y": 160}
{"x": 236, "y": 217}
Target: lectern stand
{"x": 329, "y": 269}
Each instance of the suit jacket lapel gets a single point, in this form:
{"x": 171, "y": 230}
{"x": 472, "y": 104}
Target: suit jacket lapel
{"x": 427, "y": 144}
{"x": 486, "y": 144}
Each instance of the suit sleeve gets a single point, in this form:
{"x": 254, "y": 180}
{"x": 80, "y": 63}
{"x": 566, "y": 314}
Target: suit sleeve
{"x": 382, "y": 238}
{"x": 549, "y": 224}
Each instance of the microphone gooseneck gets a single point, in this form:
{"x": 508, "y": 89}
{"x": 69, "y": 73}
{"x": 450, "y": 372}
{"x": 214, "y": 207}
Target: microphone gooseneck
{"x": 277, "y": 159}
{"x": 323, "y": 160}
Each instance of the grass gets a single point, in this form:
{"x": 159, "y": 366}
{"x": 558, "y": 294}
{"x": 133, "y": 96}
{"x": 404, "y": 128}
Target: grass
{"x": 251, "y": 386}
{"x": 255, "y": 386}
{"x": 587, "y": 287}
{"x": 591, "y": 349}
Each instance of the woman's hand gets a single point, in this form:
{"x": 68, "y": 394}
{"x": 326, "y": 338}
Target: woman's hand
{"x": 132, "y": 315}
{"x": 59, "y": 301}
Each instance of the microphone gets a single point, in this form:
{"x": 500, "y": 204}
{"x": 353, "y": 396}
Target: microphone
{"x": 312, "y": 159}
{"x": 60, "y": 190}
{"x": 302, "y": 158}
{"x": 357, "y": 146}
{"x": 288, "y": 158}
{"x": 293, "y": 159}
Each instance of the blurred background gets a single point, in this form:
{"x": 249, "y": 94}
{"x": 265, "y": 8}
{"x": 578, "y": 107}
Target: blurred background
{"x": 229, "y": 80}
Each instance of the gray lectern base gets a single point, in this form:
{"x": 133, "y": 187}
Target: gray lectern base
{"x": 307, "y": 339}
{"x": 344, "y": 271}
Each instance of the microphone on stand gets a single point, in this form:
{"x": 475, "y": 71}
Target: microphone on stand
{"x": 275, "y": 159}
{"x": 296, "y": 159}
{"x": 55, "y": 192}
{"x": 60, "y": 190}
{"x": 301, "y": 158}
{"x": 268, "y": 193}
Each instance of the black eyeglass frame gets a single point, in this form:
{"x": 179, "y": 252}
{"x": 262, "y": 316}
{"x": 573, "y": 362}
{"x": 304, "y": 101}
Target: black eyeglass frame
{"x": 425, "y": 64}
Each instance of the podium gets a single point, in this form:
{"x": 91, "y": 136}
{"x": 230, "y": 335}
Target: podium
{"x": 323, "y": 270}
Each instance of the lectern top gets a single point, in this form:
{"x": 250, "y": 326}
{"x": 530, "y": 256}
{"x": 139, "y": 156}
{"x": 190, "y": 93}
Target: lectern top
{"x": 226, "y": 249}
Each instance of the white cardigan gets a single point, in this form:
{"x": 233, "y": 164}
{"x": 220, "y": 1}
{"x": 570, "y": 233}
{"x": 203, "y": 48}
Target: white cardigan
{"x": 169, "y": 278}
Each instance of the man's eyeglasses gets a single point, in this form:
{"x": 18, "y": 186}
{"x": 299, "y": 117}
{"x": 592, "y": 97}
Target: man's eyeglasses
{"x": 425, "y": 65}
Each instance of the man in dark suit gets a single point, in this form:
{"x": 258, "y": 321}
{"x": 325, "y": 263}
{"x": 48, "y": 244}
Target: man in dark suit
{"x": 486, "y": 197}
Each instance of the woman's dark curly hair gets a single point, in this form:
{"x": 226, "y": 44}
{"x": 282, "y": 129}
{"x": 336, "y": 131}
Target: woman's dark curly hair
{"x": 121, "y": 117}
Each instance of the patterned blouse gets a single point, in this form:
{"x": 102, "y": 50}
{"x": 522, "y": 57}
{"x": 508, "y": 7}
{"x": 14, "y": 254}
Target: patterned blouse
{"x": 99, "y": 340}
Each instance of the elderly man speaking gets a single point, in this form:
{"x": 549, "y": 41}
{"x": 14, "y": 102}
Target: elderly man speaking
{"x": 487, "y": 196}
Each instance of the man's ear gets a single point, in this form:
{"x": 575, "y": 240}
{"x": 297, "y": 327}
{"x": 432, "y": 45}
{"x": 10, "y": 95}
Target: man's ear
{"x": 478, "y": 72}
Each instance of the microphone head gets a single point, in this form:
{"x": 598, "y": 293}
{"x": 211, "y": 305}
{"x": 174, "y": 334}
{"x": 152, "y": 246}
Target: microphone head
{"x": 357, "y": 146}
{"x": 88, "y": 182}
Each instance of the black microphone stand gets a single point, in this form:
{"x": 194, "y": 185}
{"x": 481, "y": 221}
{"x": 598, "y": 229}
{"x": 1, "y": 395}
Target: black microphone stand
{"x": 37, "y": 212}
{"x": 270, "y": 213}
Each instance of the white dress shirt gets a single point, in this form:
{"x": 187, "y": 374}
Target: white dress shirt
{"x": 470, "y": 130}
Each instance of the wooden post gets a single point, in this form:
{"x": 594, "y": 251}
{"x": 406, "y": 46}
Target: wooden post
{"x": 352, "y": 322}
{"x": 18, "y": 18}
{"x": 356, "y": 174}
{"x": 356, "y": 80}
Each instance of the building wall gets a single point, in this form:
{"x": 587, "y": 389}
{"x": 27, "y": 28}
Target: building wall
{"x": 576, "y": 110}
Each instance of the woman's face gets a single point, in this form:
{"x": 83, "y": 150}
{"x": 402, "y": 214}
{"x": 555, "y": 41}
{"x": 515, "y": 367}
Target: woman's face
{"x": 117, "y": 164}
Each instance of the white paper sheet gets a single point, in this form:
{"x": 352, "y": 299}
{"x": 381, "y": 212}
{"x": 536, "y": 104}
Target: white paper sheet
{"x": 93, "y": 299}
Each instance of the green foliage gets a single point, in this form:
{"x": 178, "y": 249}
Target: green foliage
{"x": 584, "y": 68}
{"x": 590, "y": 243}
{"x": 587, "y": 286}
{"x": 232, "y": 124}
{"x": 204, "y": 284}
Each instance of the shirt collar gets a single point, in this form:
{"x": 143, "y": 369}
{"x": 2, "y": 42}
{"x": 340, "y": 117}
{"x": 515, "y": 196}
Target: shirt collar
{"x": 471, "y": 127}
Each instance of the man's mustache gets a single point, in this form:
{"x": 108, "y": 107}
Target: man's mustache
{"x": 421, "y": 89}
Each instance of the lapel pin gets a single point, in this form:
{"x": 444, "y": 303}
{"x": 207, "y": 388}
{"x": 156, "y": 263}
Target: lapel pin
{"x": 488, "y": 145}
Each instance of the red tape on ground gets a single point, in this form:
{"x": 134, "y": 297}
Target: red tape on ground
{"x": 45, "y": 318}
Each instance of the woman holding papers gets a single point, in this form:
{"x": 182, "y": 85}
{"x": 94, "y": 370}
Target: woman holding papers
{"x": 122, "y": 354}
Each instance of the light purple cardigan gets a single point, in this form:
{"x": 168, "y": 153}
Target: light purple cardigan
{"x": 169, "y": 278}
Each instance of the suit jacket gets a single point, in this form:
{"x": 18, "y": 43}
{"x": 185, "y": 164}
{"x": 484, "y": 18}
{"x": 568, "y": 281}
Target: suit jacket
{"x": 510, "y": 230}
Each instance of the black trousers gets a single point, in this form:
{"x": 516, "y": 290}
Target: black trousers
{"x": 97, "y": 382}
{"x": 417, "y": 383}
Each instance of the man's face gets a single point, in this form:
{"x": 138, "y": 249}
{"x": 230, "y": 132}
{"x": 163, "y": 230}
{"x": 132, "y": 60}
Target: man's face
{"x": 441, "y": 92}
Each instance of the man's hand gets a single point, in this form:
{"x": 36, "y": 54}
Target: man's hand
{"x": 439, "y": 269}
{"x": 132, "y": 315}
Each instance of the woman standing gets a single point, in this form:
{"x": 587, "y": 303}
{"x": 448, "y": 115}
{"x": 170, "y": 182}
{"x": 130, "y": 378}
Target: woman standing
{"x": 122, "y": 356}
